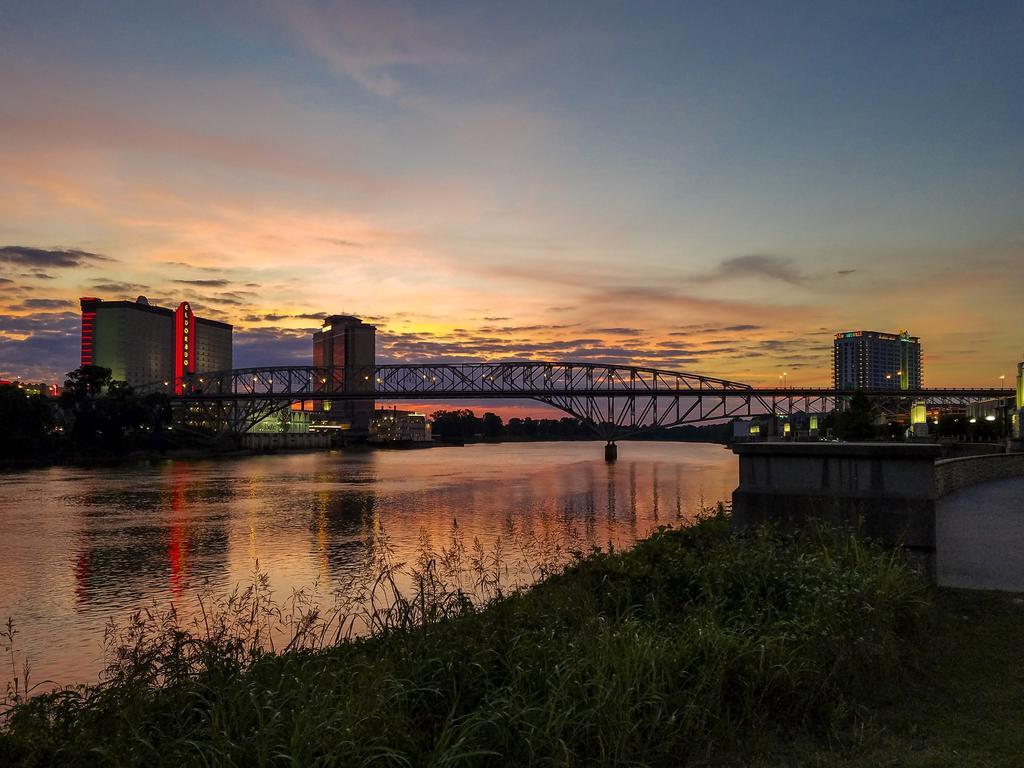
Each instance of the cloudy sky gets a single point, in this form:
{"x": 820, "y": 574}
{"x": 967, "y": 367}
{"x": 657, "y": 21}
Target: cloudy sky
{"x": 710, "y": 187}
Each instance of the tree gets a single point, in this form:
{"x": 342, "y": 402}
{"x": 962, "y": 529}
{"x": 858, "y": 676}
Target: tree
{"x": 88, "y": 381}
{"x": 952, "y": 425}
{"x": 857, "y": 421}
{"x": 82, "y": 389}
{"x": 103, "y": 412}
{"x": 492, "y": 426}
{"x": 27, "y": 421}
{"x": 456, "y": 425}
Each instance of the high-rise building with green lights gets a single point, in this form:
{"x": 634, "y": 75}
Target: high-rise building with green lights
{"x": 875, "y": 360}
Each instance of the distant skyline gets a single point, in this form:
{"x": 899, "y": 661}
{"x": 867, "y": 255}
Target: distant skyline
{"x": 706, "y": 187}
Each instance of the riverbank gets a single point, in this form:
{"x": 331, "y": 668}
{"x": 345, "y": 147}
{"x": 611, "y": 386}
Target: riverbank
{"x": 100, "y": 459}
{"x": 961, "y": 708}
{"x": 689, "y": 647}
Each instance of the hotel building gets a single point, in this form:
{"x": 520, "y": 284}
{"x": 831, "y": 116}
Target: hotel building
{"x": 874, "y": 360}
{"x": 141, "y": 343}
{"x": 345, "y": 351}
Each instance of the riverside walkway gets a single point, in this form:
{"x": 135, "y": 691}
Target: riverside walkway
{"x": 979, "y": 532}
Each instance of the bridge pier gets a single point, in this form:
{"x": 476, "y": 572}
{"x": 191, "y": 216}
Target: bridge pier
{"x": 611, "y": 451}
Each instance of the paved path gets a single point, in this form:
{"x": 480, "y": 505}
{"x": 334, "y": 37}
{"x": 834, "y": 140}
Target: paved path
{"x": 979, "y": 537}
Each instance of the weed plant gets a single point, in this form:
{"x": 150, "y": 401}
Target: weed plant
{"x": 670, "y": 654}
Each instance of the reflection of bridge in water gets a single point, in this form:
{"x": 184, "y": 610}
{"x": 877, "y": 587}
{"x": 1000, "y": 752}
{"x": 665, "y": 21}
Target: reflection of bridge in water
{"x": 616, "y": 400}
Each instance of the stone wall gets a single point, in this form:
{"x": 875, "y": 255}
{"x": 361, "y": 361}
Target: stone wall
{"x": 960, "y": 450}
{"x": 953, "y": 474}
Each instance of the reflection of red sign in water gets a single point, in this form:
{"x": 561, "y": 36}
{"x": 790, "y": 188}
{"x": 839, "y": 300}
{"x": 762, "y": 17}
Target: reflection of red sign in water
{"x": 177, "y": 548}
{"x": 184, "y": 344}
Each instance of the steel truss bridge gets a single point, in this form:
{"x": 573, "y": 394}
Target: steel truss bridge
{"x": 615, "y": 400}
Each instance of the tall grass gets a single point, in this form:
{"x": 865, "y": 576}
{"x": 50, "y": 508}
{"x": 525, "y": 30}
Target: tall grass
{"x": 690, "y": 643}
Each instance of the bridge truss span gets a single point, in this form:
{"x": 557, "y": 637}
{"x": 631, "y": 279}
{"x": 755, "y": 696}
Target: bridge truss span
{"x": 616, "y": 400}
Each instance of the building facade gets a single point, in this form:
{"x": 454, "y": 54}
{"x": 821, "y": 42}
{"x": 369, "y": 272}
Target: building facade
{"x": 1018, "y": 414}
{"x": 391, "y": 425}
{"x": 288, "y": 420}
{"x": 345, "y": 351}
{"x": 142, "y": 344}
{"x": 874, "y": 360}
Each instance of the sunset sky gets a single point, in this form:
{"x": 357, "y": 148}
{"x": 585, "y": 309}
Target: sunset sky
{"x": 708, "y": 187}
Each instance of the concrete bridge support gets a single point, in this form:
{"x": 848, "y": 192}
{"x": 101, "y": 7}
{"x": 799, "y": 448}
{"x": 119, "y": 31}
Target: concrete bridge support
{"x": 611, "y": 451}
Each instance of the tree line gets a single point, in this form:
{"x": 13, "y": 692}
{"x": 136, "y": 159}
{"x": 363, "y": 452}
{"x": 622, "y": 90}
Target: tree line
{"x": 464, "y": 425}
{"x": 94, "y": 414}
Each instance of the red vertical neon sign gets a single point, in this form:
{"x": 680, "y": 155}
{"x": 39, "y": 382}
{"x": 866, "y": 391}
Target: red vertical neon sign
{"x": 184, "y": 344}
{"x": 89, "y": 305}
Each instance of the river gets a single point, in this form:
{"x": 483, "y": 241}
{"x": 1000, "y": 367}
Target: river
{"x": 81, "y": 546}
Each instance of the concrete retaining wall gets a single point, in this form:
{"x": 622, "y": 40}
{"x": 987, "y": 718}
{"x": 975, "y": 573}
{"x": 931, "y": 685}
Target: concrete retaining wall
{"x": 953, "y": 474}
{"x": 887, "y": 490}
{"x": 283, "y": 441}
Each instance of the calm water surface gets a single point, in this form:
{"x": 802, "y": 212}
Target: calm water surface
{"x": 81, "y": 546}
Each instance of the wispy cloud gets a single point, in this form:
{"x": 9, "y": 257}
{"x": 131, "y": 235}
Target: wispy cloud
{"x": 211, "y": 283}
{"x": 378, "y": 44}
{"x": 44, "y": 304}
{"x": 119, "y": 287}
{"x": 50, "y": 258}
{"x": 754, "y": 265}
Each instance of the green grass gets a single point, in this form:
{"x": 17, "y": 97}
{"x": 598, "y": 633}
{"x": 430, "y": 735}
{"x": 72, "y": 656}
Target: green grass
{"x": 963, "y": 707}
{"x": 693, "y": 648}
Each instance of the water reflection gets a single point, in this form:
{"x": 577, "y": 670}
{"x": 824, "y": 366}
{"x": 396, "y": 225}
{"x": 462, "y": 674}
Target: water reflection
{"x": 135, "y": 542}
{"x": 81, "y": 546}
{"x": 344, "y": 527}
